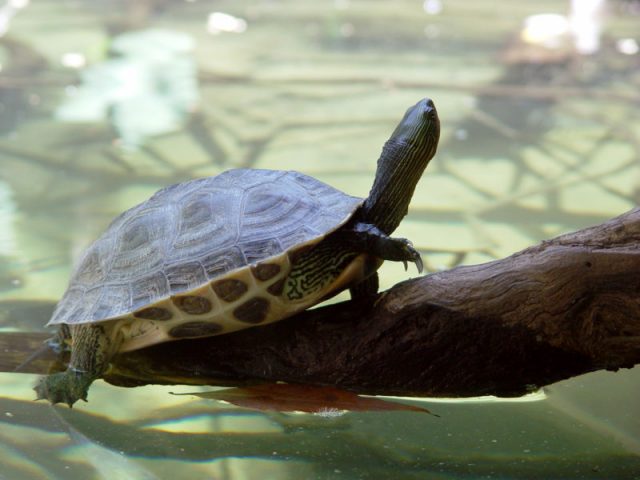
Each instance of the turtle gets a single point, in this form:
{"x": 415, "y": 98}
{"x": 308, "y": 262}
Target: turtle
{"x": 241, "y": 249}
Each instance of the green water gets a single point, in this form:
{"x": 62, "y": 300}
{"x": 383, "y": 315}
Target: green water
{"x": 536, "y": 141}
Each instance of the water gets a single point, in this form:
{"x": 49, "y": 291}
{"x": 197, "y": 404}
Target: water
{"x": 536, "y": 141}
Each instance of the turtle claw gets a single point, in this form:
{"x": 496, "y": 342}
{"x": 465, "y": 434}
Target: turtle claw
{"x": 411, "y": 255}
{"x": 419, "y": 264}
{"x": 401, "y": 250}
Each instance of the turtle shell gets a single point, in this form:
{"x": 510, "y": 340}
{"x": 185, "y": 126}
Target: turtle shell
{"x": 199, "y": 243}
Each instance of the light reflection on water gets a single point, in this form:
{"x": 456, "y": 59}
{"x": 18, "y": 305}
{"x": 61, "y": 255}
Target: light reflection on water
{"x": 536, "y": 141}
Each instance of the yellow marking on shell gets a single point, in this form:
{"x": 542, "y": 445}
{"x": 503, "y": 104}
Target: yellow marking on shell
{"x": 138, "y": 333}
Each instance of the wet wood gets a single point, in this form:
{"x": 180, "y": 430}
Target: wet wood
{"x": 568, "y": 306}
{"x": 25, "y": 352}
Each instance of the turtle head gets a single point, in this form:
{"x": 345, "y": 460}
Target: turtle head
{"x": 404, "y": 157}
{"x": 418, "y": 130}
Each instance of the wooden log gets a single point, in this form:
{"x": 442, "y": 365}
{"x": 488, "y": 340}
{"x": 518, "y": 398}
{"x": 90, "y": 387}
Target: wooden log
{"x": 563, "y": 308}
{"x": 568, "y": 306}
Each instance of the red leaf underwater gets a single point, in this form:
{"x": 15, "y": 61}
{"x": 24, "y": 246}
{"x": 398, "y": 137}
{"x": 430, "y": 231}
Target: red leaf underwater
{"x": 283, "y": 397}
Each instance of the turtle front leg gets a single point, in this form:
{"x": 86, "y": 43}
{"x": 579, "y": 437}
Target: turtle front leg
{"x": 91, "y": 350}
{"x": 373, "y": 241}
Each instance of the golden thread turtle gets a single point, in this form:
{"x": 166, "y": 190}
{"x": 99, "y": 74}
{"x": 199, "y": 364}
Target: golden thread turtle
{"x": 244, "y": 248}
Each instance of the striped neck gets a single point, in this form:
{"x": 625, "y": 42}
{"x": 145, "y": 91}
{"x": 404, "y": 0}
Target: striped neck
{"x": 403, "y": 159}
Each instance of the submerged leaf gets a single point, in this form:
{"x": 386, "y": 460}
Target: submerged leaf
{"x": 283, "y": 397}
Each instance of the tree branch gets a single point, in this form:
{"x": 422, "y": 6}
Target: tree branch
{"x": 565, "y": 307}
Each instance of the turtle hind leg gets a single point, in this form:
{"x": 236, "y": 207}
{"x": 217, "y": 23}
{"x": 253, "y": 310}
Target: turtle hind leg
{"x": 91, "y": 351}
{"x": 64, "y": 387}
{"x": 365, "y": 289}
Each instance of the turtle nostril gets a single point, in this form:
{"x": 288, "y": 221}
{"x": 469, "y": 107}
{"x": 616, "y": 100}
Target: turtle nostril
{"x": 428, "y": 103}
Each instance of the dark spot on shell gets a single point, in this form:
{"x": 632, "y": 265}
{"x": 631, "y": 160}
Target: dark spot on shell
{"x": 587, "y": 264}
{"x": 229, "y": 289}
{"x": 196, "y": 213}
{"x": 192, "y": 304}
{"x": 154, "y": 313}
{"x": 265, "y": 271}
{"x": 252, "y": 311}
{"x": 195, "y": 329}
{"x": 136, "y": 235}
{"x": 277, "y": 288}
